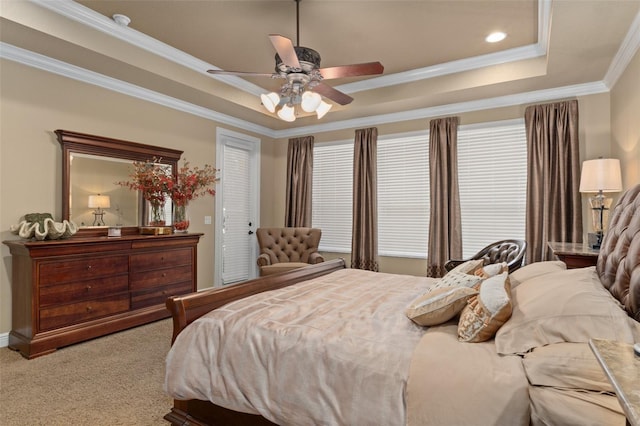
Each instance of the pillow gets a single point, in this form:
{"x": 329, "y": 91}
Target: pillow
{"x": 439, "y": 305}
{"x": 491, "y": 270}
{"x": 565, "y": 365}
{"x": 468, "y": 267}
{"x": 486, "y": 312}
{"x": 533, "y": 270}
{"x": 564, "y": 306}
{"x": 456, "y": 279}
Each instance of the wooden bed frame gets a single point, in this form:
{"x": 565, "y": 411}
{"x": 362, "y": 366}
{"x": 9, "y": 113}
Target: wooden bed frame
{"x": 186, "y": 309}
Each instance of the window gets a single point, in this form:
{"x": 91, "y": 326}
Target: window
{"x": 332, "y": 195}
{"x": 403, "y": 195}
{"x": 492, "y": 176}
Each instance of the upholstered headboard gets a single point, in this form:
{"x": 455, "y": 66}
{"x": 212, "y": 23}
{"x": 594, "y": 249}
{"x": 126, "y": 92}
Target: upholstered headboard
{"x": 619, "y": 259}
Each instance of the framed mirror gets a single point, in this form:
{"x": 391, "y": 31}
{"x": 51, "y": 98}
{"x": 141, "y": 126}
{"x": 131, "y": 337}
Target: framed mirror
{"x": 91, "y": 166}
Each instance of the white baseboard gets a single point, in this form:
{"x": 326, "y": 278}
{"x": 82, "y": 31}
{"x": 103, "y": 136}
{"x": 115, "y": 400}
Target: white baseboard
{"x": 4, "y": 340}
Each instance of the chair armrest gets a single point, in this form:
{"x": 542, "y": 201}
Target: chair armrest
{"x": 264, "y": 260}
{"x": 452, "y": 263}
{"x": 315, "y": 257}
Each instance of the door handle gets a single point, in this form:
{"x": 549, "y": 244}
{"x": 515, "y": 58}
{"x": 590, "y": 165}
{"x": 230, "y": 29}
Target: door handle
{"x": 250, "y": 232}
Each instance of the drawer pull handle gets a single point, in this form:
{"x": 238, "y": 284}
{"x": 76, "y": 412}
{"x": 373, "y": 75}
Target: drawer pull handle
{"x": 89, "y": 267}
{"x": 88, "y": 287}
{"x": 89, "y": 309}
{"x": 164, "y": 274}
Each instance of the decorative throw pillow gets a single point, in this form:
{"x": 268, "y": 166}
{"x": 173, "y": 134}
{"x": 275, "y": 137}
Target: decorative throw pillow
{"x": 439, "y": 305}
{"x": 486, "y": 312}
{"x": 457, "y": 279}
{"x": 468, "y": 267}
{"x": 492, "y": 270}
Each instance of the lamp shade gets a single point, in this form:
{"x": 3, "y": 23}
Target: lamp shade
{"x": 270, "y": 101}
{"x": 99, "y": 201}
{"x": 287, "y": 113}
{"x": 601, "y": 174}
{"x": 322, "y": 109}
{"x": 310, "y": 101}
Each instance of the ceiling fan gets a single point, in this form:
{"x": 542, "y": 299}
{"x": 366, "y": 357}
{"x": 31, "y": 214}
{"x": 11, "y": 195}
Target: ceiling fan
{"x": 304, "y": 86}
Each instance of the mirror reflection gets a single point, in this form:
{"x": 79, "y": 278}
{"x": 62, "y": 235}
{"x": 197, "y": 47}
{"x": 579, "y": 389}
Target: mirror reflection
{"x": 94, "y": 197}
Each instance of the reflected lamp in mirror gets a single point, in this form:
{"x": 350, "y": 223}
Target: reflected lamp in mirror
{"x": 99, "y": 203}
{"x": 599, "y": 176}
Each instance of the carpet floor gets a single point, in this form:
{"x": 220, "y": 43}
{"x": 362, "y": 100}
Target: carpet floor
{"x": 112, "y": 380}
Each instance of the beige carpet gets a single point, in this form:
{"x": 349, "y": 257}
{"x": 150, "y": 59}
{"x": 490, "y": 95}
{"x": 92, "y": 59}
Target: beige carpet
{"x": 113, "y": 380}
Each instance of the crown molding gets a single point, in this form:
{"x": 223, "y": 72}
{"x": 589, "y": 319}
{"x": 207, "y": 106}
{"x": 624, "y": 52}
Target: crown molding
{"x": 45, "y": 63}
{"x": 55, "y": 66}
{"x": 625, "y": 53}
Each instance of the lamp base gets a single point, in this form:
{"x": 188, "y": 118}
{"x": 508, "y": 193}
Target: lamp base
{"x": 594, "y": 240}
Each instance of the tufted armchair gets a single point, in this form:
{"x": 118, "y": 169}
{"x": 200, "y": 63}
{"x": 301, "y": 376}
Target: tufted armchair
{"x": 510, "y": 251}
{"x": 283, "y": 249}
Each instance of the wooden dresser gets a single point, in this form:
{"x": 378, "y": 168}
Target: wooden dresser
{"x": 67, "y": 291}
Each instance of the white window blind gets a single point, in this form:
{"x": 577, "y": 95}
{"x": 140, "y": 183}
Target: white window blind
{"x": 332, "y": 195}
{"x": 236, "y": 214}
{"x": 403, "y": 196}
{"x": 492, "y": 173}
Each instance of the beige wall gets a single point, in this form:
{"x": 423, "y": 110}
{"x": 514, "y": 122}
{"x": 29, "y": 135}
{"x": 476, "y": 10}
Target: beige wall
{"x": 35, "y": 103}
{"x": 625, "y": 123}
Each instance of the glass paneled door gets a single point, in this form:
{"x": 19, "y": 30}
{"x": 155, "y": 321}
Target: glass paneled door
{"x": 237, "y": 201}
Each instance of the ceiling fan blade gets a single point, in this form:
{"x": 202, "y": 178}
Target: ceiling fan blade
{"x": 369, "y": 68}
{"x": 285, "y": 50}
{"x": 333, "y": 94}
{"x": 245, "y": 73}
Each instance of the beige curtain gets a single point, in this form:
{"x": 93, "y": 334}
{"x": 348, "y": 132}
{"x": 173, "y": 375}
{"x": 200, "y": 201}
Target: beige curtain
{"x": 445, "y": 236}
{"x": 364, "y": 234}
{"x": 299, "y": 182}
{"x": 554, "y": 211}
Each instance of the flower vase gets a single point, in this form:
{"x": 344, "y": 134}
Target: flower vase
{"x": 156, "y": 215}
{"x": 181, "y": 217}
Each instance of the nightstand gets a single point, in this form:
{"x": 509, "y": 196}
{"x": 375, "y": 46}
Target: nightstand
{"x": 575, "y": 255}
{"x": 622, "y": 368}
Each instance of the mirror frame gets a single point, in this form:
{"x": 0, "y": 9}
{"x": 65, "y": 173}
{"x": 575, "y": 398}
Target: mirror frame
{"x": 73, "y": 142}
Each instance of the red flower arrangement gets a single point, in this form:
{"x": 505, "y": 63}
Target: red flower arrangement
{"x": 155, "y": 181}
{"x": 152, "y": 179}
{"x": 192, "y": 183}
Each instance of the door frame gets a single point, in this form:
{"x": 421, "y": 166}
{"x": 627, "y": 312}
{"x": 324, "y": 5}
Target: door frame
{"x": 229, "y": 137}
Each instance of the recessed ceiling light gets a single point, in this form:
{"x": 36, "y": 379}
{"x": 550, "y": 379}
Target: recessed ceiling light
{"x": 495, "y": 37}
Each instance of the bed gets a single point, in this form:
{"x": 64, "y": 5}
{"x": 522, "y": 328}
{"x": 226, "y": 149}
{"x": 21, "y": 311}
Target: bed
{"x": 327, "y": 345}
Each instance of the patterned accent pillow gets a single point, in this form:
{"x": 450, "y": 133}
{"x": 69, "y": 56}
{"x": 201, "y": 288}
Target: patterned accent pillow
{"x": 439, "y": 305}
{"x": 491, "y": 270}
{"x": 457, "y": 279}
{"x": 468, "y": 267}
{"x": 486, "y": 312}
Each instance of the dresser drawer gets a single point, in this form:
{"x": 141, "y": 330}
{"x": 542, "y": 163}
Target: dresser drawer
{"x": 143, "y": 299}
{"x": 51, "y": 273}
{"x": 61, "y": 316}
{"x": 160, "y": 259}
{"x": 83, "y": 290}
{"x": 160, "y": 277}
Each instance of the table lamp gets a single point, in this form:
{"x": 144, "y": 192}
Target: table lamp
{"x": 99, "y": 202}
{"x": 599, "y": 176}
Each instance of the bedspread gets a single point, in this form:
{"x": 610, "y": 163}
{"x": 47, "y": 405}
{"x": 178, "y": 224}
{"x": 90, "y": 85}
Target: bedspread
{"x": 334, "y": 350}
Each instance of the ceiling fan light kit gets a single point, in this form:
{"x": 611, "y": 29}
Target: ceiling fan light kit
{"x": 300, "y": 66}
